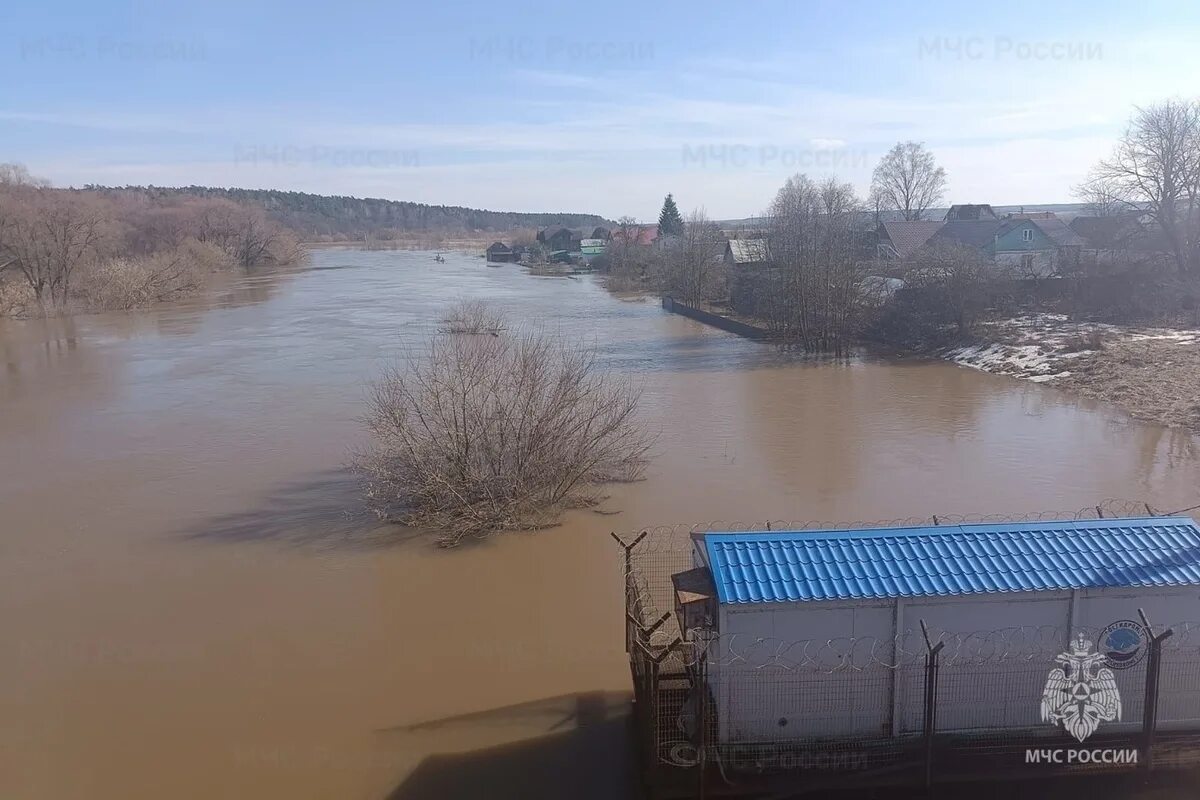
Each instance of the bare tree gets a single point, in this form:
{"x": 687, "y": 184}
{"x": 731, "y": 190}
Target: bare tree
{"x": 1102, "y": 196}
{"x": 473, "y": 317}
{"x": 959, "y": 279}
{"x": 624, "y": 244}
{"x": 12, "y": 174}
{"x": 244, "y": 233}
{"x": 113, "y": 248}
{"x": 633, "y": 266}
{"x": 876, "y": 205}
{"x": 908, "y": 180}
{"x": 46, "y": 235}
{"x": 815, "y": 233}
{"x": 1156, "y": 167}
{"x": 694, "y": 271}
{"x": 131, "y": 282}
{"x": 479, "y": 434}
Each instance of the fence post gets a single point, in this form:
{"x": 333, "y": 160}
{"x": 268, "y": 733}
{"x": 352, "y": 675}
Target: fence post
{"x": 931, "y": 679}
{"x": 628, "y": 548}
{"x": 703, "y": 717}
{"x": 1150, "y": 705}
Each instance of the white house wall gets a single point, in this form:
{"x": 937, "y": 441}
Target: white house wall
{"x": 1044, "y": 262}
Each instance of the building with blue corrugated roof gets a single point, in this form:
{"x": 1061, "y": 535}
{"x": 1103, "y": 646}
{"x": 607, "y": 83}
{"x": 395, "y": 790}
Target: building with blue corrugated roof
{"x": 879, "y": 584}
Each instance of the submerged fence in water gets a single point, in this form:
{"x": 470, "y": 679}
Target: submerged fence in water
{"x": 919, "y": 707}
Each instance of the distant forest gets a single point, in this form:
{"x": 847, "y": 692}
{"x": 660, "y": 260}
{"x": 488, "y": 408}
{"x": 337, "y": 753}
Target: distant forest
{"x": 316, "y": 217}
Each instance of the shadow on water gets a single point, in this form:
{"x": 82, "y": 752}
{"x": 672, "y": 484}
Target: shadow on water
{"x": 580, "y": 748}
{"x": 322, "y": 512}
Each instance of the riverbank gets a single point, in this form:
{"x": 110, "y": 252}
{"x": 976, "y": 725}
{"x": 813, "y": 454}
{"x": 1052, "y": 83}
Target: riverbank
{"x": 1152, "y": 373}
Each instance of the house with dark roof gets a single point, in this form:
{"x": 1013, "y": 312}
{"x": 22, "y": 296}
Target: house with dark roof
{"x": 898, "y": 240}
{"x": 500, "y": 253}
{"x": 970, "y": 212}
{"x": 1129, "y": 239}
{"x": 1036, "y": 246}
{"x": 979, "y": 234}
{"x": 558, "y": 237}
{"x": 1029, "y": 245}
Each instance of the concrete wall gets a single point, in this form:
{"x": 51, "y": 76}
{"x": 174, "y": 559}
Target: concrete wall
{"x": 717, "y": 321}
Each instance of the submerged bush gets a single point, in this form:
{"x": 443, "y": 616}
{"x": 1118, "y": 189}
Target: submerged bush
{"x": 135, "y": 281}
{"x": 486, "y": 433}
{"x": 473, "y": 317}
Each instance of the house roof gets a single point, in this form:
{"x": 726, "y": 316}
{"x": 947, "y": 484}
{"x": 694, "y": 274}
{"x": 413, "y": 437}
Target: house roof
{"x": 1114, "y": 231}
{"x": 1059, "y": 232}
{"x": 747, "y": 251}
{"x": 973, "y": 233}
{"x": 646, "y": 234}
{"x": 498, "y": 246}
{"x": 1054, "y": 228}
{"x": 953, "y": 559}
{"x": 907, "y": 237}
{"x": 970, "y": 212}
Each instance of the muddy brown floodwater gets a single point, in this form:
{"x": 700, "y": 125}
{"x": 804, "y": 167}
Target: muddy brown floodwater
{"x": 193, "y": 605}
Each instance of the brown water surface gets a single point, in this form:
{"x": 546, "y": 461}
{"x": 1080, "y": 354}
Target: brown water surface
{"x": 194, "y": 606}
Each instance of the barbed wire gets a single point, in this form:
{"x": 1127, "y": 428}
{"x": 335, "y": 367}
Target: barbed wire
{"x": 651, "y": 555}
{"x": 1037, "y": 644}
{"x": 667, "y": 536}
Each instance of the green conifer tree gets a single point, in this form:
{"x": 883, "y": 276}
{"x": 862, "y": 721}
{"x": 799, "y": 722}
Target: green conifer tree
{"x": 670, "y": 223}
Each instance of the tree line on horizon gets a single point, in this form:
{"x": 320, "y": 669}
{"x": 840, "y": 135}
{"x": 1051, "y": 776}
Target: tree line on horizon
{"x": 316, "y": 218}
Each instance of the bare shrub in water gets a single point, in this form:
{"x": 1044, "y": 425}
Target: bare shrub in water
{"x": 486, "y": 433}
{"x": 134, "y": 281}
{"x": 473, "y": 317}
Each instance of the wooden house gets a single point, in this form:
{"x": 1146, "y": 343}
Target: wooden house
{"x": 500, "y": 253}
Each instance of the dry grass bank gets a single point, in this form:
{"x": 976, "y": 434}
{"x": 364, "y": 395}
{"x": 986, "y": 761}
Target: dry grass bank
{"x": 1157, "y": 380}
{"x": 1152, "y": 373}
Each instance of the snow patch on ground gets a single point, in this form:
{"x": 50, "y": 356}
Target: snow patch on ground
{"x": 1035, "y": 347}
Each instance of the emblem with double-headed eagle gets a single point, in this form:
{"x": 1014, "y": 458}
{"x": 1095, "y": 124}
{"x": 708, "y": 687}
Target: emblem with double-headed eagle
{"x": 1081, "y": 694}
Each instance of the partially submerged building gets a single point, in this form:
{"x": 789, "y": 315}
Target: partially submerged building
{"x": 500, "y": 253}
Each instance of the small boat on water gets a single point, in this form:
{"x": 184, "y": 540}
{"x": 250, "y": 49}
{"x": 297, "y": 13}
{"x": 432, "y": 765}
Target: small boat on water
{"x": 438, "y": 258}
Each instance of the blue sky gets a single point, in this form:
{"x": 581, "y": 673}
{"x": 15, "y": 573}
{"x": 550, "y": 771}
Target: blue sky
{"x": 599, "y": 107}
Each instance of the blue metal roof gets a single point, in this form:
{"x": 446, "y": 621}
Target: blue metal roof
{"x": 953, "y": 559}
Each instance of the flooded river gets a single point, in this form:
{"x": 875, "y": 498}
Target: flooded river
{"x": 193, "y": 605}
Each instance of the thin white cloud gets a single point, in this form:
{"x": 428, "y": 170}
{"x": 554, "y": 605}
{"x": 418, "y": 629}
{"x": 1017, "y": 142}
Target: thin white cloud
{"x": 725, "y": 135}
